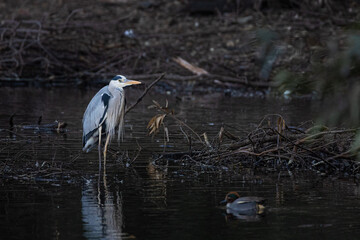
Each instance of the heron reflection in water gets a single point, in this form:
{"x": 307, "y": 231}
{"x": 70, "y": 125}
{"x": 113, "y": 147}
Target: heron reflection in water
{"x": 104, "y": 113}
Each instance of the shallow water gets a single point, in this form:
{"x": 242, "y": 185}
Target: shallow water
{"x": 142, "y": 202}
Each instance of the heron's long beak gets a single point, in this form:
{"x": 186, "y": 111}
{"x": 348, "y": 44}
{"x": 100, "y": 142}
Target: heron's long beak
{"x": 223, "y": 202}
{"x": 132, "y": 82}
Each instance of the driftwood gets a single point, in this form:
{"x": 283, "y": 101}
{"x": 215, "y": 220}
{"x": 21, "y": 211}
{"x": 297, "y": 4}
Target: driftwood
{"x": 56, "y": 126}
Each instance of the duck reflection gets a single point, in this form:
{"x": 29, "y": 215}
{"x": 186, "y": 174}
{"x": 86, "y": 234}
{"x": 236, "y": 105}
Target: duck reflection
{"x": 102, "y": 211}
{"x": 233, "y": 215}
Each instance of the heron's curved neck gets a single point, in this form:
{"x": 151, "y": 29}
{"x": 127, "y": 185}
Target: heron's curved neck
{"x": 113, "y": 88}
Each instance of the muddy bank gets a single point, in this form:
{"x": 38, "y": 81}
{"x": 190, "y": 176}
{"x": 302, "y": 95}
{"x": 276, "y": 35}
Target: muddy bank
{"x": 62, "y": 43}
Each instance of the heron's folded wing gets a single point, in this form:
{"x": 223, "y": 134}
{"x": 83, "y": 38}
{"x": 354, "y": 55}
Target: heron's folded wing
{"x": 95, "y": 113}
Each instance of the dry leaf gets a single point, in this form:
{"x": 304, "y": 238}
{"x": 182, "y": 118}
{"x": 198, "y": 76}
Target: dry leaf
{"x": 207, "y": 140}
{"x": 155, "y": 123}
{"x": 221, "y": 133}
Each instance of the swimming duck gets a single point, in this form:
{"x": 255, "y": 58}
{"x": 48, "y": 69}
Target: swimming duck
{"x": 243, "y": 205}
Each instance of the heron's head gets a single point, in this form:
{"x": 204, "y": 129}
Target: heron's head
{"x": 121, "y": 81}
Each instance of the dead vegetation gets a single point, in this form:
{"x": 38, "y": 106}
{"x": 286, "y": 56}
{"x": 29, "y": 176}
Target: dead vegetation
{"x": 63, "y": 43}
{"x": 272, "y": 146}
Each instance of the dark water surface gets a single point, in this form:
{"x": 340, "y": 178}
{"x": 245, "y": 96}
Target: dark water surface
{"x": 141, "y": 202}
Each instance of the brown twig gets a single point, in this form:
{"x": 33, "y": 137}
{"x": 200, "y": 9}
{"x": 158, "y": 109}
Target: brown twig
{"x": 171, "y": 115}
{"x": 144, "y": 93}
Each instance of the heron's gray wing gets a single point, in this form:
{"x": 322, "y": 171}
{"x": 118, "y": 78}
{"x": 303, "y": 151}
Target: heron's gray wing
{"x": 96, "y": 113}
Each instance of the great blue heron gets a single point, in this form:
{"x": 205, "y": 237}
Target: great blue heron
{"x": 104, "y": 113}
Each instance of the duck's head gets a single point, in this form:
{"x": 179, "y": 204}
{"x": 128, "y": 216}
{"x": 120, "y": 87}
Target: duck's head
{"x": 121, "y": 81}
{"x": 230, "y": 197}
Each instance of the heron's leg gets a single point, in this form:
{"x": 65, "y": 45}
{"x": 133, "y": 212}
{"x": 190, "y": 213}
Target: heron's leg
{"x": 105, "y": 150}
{"x": 99, "y": 148}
